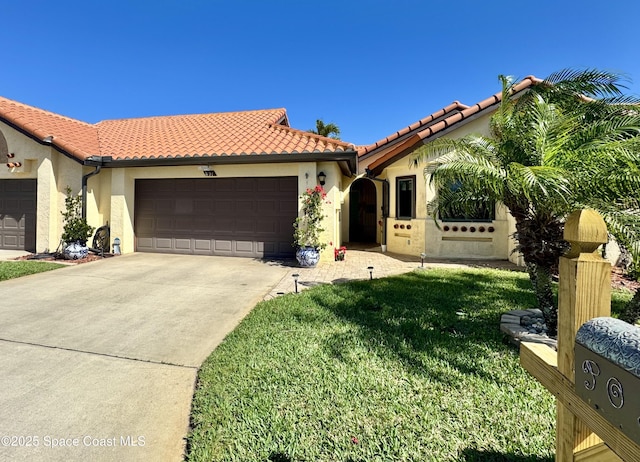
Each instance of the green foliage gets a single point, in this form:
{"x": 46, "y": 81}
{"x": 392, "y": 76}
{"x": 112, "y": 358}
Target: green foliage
{"x": 308, "y": 227}
{"x": 330, "y": 130}
{"x": 76, "y": 228}
{"x": 413, "y": 367}
{"x": 16, "y": 269}
{"x": 569, "y": 142}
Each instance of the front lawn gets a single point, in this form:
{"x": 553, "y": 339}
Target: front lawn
{"x": 407, "y": 368}
{"x": 16, "y": 269}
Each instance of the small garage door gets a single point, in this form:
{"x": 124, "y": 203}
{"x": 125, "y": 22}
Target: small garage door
{"x": 18, "y": 215}
{"x": 245, "y": 217}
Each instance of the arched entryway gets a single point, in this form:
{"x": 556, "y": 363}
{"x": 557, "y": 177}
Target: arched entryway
{"x": 362, "y": 211}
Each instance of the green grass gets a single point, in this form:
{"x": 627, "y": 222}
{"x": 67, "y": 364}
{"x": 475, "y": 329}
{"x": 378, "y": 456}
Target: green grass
{"x": 16, "y": 269}
{"x": 413, "y": 367}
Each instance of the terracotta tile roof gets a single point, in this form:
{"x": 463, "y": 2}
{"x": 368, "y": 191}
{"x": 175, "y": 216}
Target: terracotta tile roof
{"x": 395, "y": 151}
{"x": 73, "y": 136}
{"x": 221, "y": 134}
{"x": 199, "y": 135}
{"x": 456, "y": 106}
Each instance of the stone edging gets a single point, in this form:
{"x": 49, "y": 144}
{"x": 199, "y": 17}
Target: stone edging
{"x": 526, "y": 326}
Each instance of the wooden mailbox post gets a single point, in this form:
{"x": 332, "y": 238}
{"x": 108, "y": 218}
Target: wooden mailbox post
{"x": 583, "y": 434}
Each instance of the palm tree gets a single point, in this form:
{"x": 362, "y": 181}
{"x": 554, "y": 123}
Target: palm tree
{"x": 330, "y": 130}
{"x": 550, "y": 150}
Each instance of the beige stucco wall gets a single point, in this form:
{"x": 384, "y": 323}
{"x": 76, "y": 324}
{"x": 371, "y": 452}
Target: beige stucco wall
{"x": 111, "y": 193}
{"x": 422, "y": 234}
{"x": 53, "y": 172}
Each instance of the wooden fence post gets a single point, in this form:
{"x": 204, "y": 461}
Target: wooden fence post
{"x": 584, "y": 293}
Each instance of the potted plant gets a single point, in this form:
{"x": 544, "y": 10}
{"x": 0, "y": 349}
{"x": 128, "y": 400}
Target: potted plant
{"x": 308, "y": 227}
{"x": 339, "y": 253}
{"x": 76, "y": 231}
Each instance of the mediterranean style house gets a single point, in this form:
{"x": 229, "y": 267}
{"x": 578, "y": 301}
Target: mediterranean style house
{"x": 230, "y": 183}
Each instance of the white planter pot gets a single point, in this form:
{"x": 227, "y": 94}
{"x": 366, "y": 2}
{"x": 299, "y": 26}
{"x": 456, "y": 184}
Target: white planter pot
{"x": 307, "y": 257}
{"x": 75, "y": 251}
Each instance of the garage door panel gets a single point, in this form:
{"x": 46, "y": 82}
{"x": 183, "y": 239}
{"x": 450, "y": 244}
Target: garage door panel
{"x": 216, "y": 216}
{"x": 223, "y": 206}
{"x": 245, "y": 185}
{"x": 221, "y": 245}
{"x": 184, "y": 185}
{"x": 244, "y": 206}
{"x": 244, "y": 246}
{"x": 202, "y": 245}
{"x": 267, "y": 226}
{"x": 164, "y": 206}
{"x": 184, "y": 223}
{"x": 224, "y": 186}
{"x": 268, "y": 185}
{"x": 18, "y": 214}
{"x": 184, "y": 206}
{"x": 202, "y": 207}
{"x": 163, "y": 243}
{"x": 203, "y": 224}
{"x": 182, "y": 244}
{"x": 163, "y": 224}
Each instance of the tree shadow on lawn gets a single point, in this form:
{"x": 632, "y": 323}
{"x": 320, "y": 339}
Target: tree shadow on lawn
{"x": 477, "y": 455}
{"x": 453, "y": 316}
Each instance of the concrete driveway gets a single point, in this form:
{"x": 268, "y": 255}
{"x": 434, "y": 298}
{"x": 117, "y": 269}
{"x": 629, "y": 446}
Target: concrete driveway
{"x": 98, "y": 361}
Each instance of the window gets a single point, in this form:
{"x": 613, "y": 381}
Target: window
{"x": 406, "y": 197}
{"x": 459, "y": 204}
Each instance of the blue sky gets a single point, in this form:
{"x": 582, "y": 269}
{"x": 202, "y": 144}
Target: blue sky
{"x": 372, "y": 67}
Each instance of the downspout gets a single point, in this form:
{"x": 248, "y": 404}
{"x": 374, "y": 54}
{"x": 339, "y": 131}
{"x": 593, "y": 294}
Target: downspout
{"x": 385, "y": 203}
{"x": 85, "y": 179}
{"x": 98, "y": 162}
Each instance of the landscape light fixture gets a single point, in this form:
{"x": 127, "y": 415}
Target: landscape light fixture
{"x": 322, "y": 178}
{"x": 422, "y": 257}
{"x": 295, "y": 280}
{"x": 370, "y": 268}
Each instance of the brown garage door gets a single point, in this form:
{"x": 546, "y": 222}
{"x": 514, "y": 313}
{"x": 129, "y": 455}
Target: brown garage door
{"x": 246, "y": 217}
{"x": 18, "y": 215}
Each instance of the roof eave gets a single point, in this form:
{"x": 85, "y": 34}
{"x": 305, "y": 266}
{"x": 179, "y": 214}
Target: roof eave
{"x": 46, "y": 140}
{"x": 347, "y": 157}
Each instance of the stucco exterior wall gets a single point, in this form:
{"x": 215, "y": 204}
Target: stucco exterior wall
{"x": 472, "y": 240}
{"x": 53, "y": 172}
{"x": 111, "y": 193}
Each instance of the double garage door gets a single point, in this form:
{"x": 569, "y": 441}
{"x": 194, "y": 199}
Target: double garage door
{"x": 246, "y": 217}
{"x": 18, "y": 215}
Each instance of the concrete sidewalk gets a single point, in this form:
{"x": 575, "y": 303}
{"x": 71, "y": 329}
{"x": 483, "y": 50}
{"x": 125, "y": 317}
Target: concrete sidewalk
{"x": 356, "y": 264}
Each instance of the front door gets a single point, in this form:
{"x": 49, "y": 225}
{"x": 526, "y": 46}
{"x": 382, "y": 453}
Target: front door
{"x": 362, "y": 211}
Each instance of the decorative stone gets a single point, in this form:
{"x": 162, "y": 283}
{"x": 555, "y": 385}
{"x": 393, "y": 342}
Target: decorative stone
{"x": 510, "y": 319}
{"x": 519, "y": 312}
{"x": 513, "y": 330}
{"x": 526, "y": 326}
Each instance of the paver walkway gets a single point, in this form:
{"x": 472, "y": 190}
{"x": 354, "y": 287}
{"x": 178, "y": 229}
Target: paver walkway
{"x": 356, "y": 264}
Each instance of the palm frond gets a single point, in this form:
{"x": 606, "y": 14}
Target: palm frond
{"x": 593, "y": 83}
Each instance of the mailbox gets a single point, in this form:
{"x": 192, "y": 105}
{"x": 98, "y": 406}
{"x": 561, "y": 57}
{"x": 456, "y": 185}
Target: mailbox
{"x": 607, "y": 375}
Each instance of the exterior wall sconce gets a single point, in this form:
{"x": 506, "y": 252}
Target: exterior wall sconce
{"x": 322, "y": 178}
